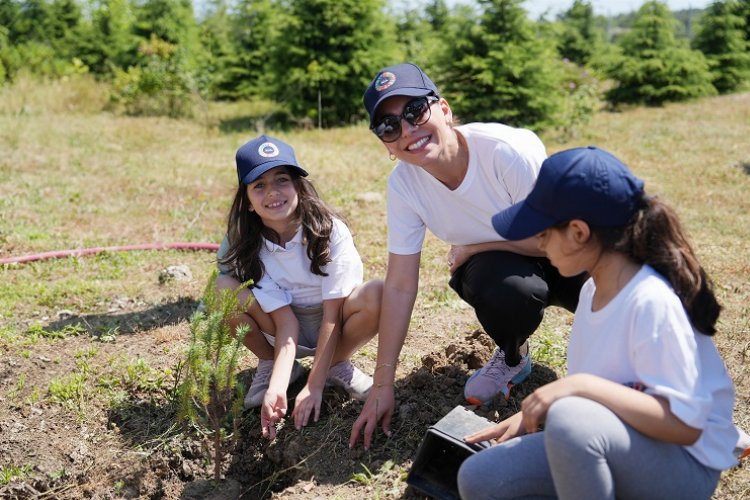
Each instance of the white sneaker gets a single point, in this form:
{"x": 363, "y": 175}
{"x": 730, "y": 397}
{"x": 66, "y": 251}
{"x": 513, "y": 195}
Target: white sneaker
{"x": 350, "y": 378}
{"x": 259, "y": 385}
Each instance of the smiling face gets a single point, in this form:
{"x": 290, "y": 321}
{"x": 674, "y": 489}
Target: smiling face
{"x": 419, "y": 144}
{"x": 274, "y": 198}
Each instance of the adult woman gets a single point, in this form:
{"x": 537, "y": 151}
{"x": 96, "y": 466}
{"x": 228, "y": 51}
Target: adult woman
{"x": 452, "y": 180}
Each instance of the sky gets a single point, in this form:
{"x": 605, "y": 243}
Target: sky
{"x": 604, "y": 7}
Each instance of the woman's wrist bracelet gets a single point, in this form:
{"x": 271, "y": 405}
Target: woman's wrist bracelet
{"x": 383, "y": 365}
{"x": 386, "y": 384}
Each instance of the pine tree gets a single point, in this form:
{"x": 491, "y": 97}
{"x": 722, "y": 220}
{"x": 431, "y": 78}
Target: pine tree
{"x": 109, "y": 41}
{"x": 579, "y": 39}
{"x": 721, "y": 38}
{"x": 501, "y": 70}
{"x": 330, "y": 51}
{"x": 208, "y": 394}
{"x": 655, "y": 67}
{"x": 742, "y": 9}
{"x": 244, "y": 58}
{"x": 172, "y": 21}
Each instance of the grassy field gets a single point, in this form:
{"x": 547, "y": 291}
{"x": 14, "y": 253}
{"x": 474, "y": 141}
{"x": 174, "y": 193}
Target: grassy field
{"x": 91, "y": 344}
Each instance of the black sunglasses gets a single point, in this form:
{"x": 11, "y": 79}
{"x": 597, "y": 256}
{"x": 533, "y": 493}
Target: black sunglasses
{"x": 416, "y": 112}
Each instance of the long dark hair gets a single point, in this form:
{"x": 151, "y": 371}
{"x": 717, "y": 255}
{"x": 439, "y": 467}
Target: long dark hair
{"x": 246, "y": 231}
{"x": 655, "y": 237}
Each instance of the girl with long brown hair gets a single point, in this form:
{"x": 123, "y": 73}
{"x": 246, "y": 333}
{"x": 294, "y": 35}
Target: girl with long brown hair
{"x": 645, "y": 410}
{"x": 306, "y": 296}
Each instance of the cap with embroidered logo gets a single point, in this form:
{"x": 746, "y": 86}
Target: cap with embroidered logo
{"x": 258, "y": 156}
{"x": 580, "y": 183}
{"x": 402, "y": 79}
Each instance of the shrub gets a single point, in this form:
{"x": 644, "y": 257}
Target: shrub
{"x": 161, "y": 85}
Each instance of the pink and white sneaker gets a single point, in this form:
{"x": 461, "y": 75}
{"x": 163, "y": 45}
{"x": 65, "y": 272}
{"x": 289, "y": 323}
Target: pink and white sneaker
{"x": 494, "y": 378}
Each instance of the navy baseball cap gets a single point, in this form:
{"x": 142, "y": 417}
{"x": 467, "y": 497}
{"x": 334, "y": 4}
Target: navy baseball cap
{"x": 403, "y": 79}
{"x": 581, "y": 183}
{"x": 261, "y": 154}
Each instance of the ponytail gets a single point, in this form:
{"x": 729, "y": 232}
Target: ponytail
{"x": 655, "y": 237}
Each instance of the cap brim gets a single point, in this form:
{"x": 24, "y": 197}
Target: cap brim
{"x": 405, "y": 91}
{"x": 520, "y": 221}
{"x": 258, "y": 171}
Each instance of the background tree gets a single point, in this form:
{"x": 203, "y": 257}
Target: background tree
{"x": 42, "y": 35}
{"x": 501, "y": 70}
{"x": 217, "y": 40}
{"x": 243, "y": 54}
{"x": 328, "y": 54}
{"x": 579, "y": 38}
{"x": 743, "y": 10}
{"x": 423, "y": 34}
{"x": 655, "y": 67}
{"x": 109, "y": 41}
{"x": 721, "y": 38}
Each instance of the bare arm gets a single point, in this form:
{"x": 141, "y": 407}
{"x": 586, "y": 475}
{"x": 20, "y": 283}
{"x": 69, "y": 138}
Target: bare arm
{"x": 399, "y": 294}
{"x": 459, "y": 254}
{"x": 274, "y": 404}
{"x": 309, "y": 399}
{"x": 650, "y": 415}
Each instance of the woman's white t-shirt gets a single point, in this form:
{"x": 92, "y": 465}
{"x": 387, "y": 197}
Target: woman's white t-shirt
{"x": 503, "y": 166}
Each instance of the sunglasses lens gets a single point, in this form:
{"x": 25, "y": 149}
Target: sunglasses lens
{"x": 415, "y": 112}
{"x": 389, "y": 128}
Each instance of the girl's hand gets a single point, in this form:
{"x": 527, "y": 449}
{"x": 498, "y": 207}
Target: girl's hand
{"x": 536, "y": 405}
{"x": 507, "y": 429}
{"x": 272, "y": 411}
{"x": 457, "y": 256}
{"x": 308, "y": 402}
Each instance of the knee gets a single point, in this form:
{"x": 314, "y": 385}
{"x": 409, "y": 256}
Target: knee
{"x": 471, "y": 477}
{"x": 226, "y": 282}
{"x": 368, "y": 299}
{"x": 513, "y": 294}
{"x": 563, "y": 422}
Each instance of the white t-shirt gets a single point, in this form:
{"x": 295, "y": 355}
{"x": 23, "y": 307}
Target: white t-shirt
{"x": 288, "y": 279}
{"x": 503, "y": 166}
{"x": 644, "y": 336}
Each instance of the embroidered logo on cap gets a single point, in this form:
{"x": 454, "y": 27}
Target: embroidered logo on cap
{"x": 385, "y": 80}
{"x": 268, "y": 150}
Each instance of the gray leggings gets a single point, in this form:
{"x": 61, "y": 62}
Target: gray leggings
{"x": 585, "y": 451}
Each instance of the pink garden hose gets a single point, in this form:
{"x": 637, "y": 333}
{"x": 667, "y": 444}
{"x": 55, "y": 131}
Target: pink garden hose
{"x": 88, "y": 251}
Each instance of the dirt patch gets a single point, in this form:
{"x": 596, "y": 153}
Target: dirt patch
{"x": 122, "y": 440}
{"x": 129, "y": 445}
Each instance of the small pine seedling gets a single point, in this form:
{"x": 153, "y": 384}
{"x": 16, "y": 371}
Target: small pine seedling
{"x": 209, "y": 396}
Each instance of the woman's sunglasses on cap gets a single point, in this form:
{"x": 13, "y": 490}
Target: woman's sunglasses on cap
{"x": 416, "y": 112}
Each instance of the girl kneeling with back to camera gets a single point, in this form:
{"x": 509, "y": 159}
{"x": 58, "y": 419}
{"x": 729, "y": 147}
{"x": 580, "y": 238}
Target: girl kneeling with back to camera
{"x": 646, "y": 408}
{"x": 307, "y": 297}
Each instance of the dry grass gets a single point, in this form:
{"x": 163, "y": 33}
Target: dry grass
{"x": 79, "y": 179}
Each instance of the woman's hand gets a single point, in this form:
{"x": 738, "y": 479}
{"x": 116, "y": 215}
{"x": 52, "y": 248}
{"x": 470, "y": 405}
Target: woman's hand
{"x": 378, "y": 407}
{"x": 307, "y": 403}
{"x": 457, "y": 256}
{"x": 272, "y": 411}
{"x": 507, "y": 429}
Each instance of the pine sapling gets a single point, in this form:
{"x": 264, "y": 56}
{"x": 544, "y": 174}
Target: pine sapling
{"x": 209, "y": 396}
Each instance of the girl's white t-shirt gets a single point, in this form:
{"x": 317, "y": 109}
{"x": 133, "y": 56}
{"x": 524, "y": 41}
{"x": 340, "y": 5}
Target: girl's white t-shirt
{"x": 503, "y": 166}
{"x": 644, "y": 336}
{"x": 288, "y": 279}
